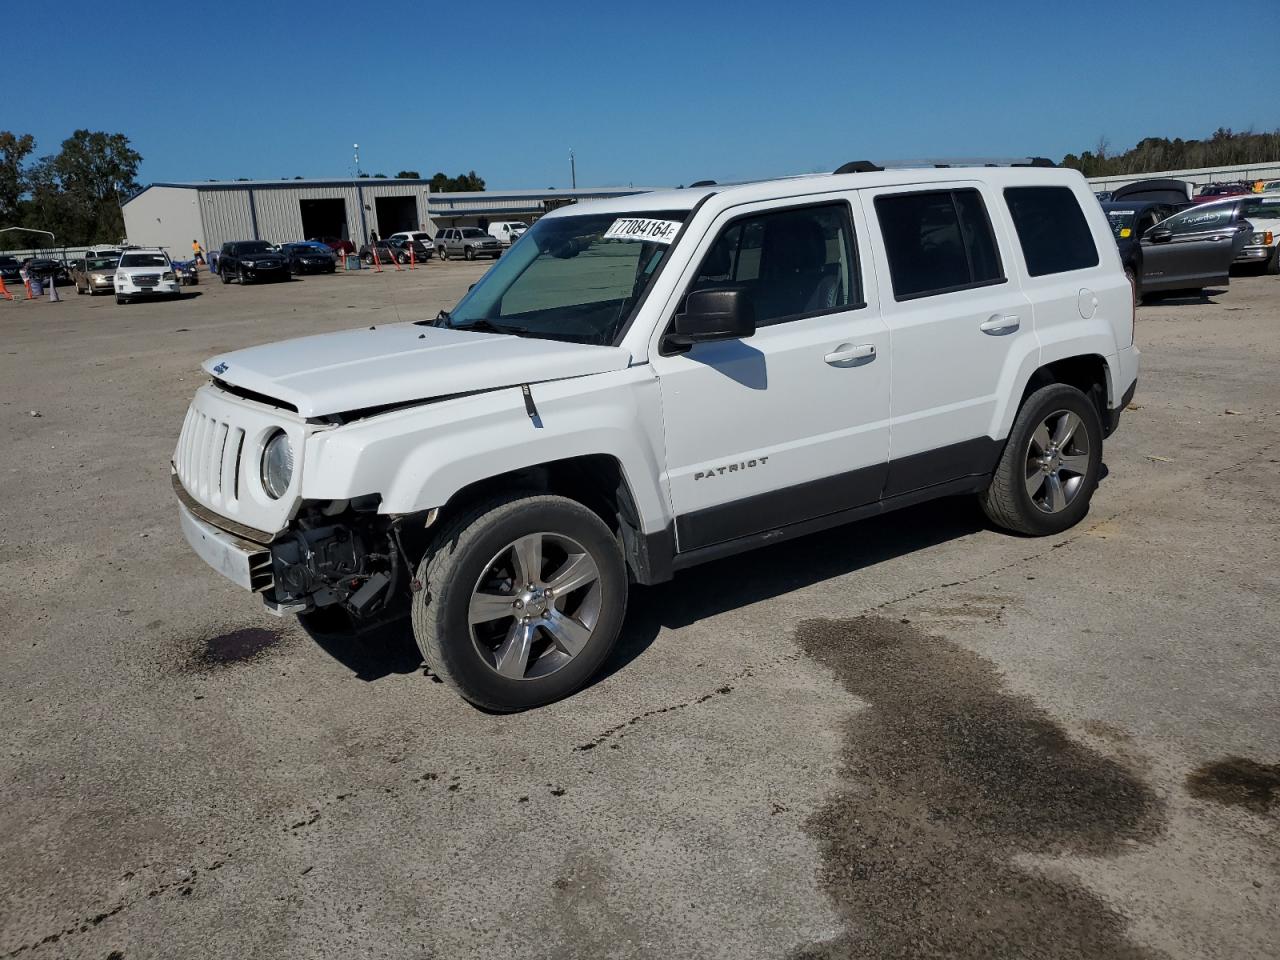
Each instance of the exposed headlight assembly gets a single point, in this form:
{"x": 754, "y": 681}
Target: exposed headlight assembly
{"x": 249, "y": 263}
{"x": 277, "y": 465}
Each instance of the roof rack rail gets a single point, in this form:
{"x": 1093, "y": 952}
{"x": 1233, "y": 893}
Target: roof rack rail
{"x": 866, "y": 166}
{"x": 703, "y": 183}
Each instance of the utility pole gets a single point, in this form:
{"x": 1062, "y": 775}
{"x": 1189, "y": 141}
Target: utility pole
{"x": 573, "y": 170}
{"x": 356, "y": 147}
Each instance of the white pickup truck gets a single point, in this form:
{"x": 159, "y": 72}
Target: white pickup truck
{"x": 650, "y": 382}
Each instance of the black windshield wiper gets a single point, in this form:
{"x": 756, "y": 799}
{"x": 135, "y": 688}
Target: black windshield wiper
{"x": 441, "y": 319}
{"x": 481, "y": 325}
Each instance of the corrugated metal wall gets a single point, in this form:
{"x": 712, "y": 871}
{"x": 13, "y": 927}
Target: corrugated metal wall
{"x": 276, "y": 212}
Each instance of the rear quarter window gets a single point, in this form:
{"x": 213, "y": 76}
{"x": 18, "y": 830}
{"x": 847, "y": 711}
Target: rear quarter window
{"x": 1052, "y": 229}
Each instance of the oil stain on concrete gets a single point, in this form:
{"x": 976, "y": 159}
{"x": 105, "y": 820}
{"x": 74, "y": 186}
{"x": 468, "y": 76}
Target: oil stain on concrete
{"x": 1237, "y": 782}
{"x": 237, "y": 646}
{"x": 952, "y": 777}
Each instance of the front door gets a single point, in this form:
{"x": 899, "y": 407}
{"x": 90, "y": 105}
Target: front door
{"x": 791, "y": 423}
{"x": 1190, "y": 249}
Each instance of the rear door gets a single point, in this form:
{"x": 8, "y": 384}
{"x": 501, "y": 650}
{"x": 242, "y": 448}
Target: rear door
{"x": 1191, "y": 249}
{"x": 955, "y": 316}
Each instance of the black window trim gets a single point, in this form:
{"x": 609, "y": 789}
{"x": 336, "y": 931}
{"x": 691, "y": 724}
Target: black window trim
{"x": 788, "y": 317}
{"x": 956, "y": 288}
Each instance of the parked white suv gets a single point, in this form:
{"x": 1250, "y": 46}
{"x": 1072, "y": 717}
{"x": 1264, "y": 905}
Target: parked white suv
{"x": 657, "y": 380}
{"x": 145, "y": 272}
{"x": 421, "y": 236}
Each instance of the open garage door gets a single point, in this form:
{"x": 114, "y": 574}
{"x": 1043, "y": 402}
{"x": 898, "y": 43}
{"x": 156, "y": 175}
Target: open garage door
{"x": 324, "y": 218}
{"x": 396, "y": 214}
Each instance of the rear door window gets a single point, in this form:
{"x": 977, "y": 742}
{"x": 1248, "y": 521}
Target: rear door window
{"x": 1052, "y": 230}
{"x": 938, "y": 241}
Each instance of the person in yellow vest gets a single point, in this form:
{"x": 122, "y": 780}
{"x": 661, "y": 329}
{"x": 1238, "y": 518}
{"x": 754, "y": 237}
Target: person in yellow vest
{"x": 197, "y": 251}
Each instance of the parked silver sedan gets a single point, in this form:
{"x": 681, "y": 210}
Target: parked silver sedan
{"x": 94, "y": 275}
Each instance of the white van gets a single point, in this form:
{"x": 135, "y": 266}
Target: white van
{"x": 508, "y": 231}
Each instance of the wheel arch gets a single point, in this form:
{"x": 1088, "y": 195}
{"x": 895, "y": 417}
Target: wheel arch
{"x": 1090, "y": 373}
{"x": 598, "y": 481}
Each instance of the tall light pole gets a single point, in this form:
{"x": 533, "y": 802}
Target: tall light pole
{"x": 356, "y": 147}
{"x": 573, "y": 170}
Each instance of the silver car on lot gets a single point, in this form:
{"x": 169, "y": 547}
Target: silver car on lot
{"x": 95, "y": 273}
{"x": 467, "y": 242}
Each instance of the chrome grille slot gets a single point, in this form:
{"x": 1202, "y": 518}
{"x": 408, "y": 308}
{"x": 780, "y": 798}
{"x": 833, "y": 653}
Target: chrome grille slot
{"x": 208, "y": 458}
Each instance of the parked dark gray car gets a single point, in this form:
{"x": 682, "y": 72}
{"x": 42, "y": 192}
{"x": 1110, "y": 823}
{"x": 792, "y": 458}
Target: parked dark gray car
{"x": 467, "y": 242}
{"x": 1192, "y": 249}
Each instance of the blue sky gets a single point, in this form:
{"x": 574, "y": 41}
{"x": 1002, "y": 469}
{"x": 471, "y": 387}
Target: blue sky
{"x": 647, "y": 93}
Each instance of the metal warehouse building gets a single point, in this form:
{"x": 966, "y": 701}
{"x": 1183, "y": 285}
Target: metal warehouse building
{"x": 173, "y": 214}
{"x": 478, "y": 209}
{"x": 214, "y": 212}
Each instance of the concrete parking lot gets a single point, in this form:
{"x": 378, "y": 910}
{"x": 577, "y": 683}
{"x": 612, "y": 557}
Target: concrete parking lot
{"x": 916, "y": 736}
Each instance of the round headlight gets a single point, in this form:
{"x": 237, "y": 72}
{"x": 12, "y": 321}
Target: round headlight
{"x": 277, "y": 465}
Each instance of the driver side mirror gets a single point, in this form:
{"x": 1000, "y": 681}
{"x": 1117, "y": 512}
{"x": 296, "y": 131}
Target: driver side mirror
{"x": 709, "y": 315}
{"x": 1159, "y": 234}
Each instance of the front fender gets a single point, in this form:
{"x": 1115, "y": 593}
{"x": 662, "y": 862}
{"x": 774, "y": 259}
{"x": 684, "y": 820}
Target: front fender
{"x": 419, "y": 457}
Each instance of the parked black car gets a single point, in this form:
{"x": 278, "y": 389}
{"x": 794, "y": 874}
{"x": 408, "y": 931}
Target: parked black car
{"x": 46, "y": 268}
{"x": 247, "y": 260}
{"x": 307, "y": 257}
{"x": 421, "y": 253}
{"x": 387, "y": 252}
{"x": 10, "y": 269}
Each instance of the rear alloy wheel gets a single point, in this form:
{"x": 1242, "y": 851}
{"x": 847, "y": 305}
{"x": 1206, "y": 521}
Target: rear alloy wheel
{"x": 1050, "y": 465}
{"x": 521, "y": 602}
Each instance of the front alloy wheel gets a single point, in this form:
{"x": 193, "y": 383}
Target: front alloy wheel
{"x": 521, "y": 600}
{"x": 533, "y": 609}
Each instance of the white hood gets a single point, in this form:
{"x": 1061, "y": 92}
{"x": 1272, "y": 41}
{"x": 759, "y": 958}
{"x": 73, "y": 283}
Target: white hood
{"x": 399, "y": 363}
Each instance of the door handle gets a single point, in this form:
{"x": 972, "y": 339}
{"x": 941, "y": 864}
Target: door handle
{"x": 997, "y": 325}
{"x": 847, "y": 355}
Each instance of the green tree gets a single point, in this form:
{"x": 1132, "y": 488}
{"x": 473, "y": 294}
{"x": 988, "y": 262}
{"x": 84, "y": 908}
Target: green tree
{"x": 14, "y": 150}
{"x": 443, "y": 183}
{"x": 408, "y": 175}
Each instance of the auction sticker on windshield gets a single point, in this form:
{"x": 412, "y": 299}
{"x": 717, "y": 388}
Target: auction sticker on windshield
{"x": 653, "y": 231}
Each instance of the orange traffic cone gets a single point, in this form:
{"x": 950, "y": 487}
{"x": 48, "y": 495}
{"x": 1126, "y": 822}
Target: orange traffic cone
{"x": 26, "y": 282}
{"x": 413, "y": 262}
{"x": 4, "y": 291}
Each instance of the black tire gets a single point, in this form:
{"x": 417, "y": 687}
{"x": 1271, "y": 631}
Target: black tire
{"x": 295, "y": 268}
{"x": 241, "y": 278}
{"x": 1272, "y": 266}
{"x": 121, "y": 300}
{"x": 1007, "y": 502}
{"x": 368, "y": 259}
{"x": 450, "y": 571}
{"x": 444, "y": 254}
{"x": 224, "y": 276}
{"x": 468, "y": 253}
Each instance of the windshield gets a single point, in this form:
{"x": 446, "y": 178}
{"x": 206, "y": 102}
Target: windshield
{"x": 254, "y": 246}
{"x": 567, "y": 281}
{"x": 1121, "y": 223}
{"x": 144, "y": 260}
{"x": 473, "y": 232}
{"x": 102, "y": 263}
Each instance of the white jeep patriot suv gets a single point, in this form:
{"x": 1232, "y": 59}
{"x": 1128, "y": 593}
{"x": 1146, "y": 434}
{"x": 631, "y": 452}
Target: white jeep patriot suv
{"x": 657, "y": 380}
